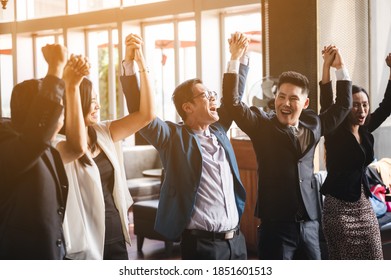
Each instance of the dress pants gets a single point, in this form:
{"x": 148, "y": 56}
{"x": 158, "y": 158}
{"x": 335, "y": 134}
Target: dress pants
{"x": 283, "y": 240}
{"x": 197, "y": 248}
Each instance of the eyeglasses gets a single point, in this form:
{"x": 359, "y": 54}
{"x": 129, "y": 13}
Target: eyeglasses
{"x": 208, "y": 94}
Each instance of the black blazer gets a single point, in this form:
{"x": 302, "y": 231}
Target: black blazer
{"x": 284, "y": 174}
{"x": 346, "y": 159}
{"x": 33, "y": 183}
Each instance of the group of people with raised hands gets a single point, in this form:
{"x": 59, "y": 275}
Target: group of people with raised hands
{"x": 62, "y": 183}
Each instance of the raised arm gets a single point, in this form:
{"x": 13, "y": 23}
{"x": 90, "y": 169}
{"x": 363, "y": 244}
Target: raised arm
{"x": 75, "y": 144}
{"x": 326, "y": 91}
{"x": 244, "y": 117}
{"x": 334, "y": 113}
{"x": 238, "y": 64}
{"x": 384, "y": 109}
{"x": 133, "y": 122}
{"x": 36, "y": 115}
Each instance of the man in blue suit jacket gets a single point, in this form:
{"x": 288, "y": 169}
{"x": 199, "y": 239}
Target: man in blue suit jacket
{"x": 202, "y": 198}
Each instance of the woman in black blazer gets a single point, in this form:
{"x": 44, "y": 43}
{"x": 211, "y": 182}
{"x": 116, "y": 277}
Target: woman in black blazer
{"x": 349, "y": 223}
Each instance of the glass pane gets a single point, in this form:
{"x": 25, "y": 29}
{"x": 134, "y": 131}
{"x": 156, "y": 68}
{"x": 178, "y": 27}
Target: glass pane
{"x": 139, "y": 2}
{"x": 7, "y": 14}
{"x": 97, "y": 54}
{"x": 79, "y": 6}
{"x": 6, "y": 74}
{"x": 187, "y": 50}
{"x": 250, "y": 24}
{"x": 41, "y": 65}
{"x": 116, "y": 92}
{"x": 21, "y": 7}
{"x": 41, "y": 8}
{"x": 104, "y": 71}
{"x": 159, "y": 49}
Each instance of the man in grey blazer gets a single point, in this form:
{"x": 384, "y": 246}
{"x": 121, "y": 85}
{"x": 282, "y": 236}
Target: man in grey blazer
{"x": 202, "y": 198}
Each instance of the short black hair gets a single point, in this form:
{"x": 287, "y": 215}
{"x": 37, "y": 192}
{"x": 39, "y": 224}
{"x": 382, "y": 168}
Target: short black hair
{"x": 296, "y": 79}
{"x": 21, "y": 99}
{"x": 85, "y": 95}
{"x": 182, "y": 94}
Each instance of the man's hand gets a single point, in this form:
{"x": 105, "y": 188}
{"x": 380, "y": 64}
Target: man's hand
{"x": 238, "y": 44}
{"x": 328, "y": 54}
{"x": 132, "y": 42}
{"x": 338, "y": 60}
{"x": 76, "y": 69}
{"x": 56, "y": 57}
{"x": 332, "y": 57}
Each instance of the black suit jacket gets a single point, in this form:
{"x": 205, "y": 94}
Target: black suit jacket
{"x": 284, "y": 174}
{"x": 346, "y": 159}
{"x": 33, "y": 183}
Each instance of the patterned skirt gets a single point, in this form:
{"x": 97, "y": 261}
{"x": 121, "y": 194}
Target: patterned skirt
{"x": 351, "y": 229}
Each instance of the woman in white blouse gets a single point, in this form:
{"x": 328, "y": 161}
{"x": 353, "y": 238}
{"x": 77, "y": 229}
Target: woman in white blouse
{"x": 96, "y": 217}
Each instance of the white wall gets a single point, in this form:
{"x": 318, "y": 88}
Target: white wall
{"x": 380, "y": 46}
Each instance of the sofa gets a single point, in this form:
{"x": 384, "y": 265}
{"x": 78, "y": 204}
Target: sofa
{"x": 385, "y": 232}
{"x": 137, "y": 159}
{"x": 145, "y": 192}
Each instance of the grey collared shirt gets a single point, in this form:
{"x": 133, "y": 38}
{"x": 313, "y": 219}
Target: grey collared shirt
{"x": 215, "y": 207}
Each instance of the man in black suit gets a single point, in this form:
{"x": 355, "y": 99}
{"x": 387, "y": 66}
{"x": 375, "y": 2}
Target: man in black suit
{"x": 284, "y": 141}
{"x": 33, "y": 183}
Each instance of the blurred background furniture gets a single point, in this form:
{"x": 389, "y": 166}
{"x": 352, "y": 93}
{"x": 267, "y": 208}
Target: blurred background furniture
{"x": 247, "y": 163}
{"x": 144, "y": 215}
{"x": 385, "y": 232}
{"x": 153, "y": 173}
{"x": 144, "y": 176}
{"x": 138, "y": 159}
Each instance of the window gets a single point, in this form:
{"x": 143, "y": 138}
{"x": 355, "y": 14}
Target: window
{"x": 30, "y": 9}
{"x": 41, "y": 41}
{"x": 171, "y": 47}
{"x": 139, "y": 2}
{"x": 103, "y": 56}
{"x": 7, "y": 15}
{"x": 80, "y": 6}
{"x": 159, "y": 49}
{"x": 6, "y": 78}
{"x": 187, "y": 50}
{"x": 250, "y": 24}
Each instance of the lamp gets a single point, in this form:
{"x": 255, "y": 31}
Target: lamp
{"x": 4, "y": 3}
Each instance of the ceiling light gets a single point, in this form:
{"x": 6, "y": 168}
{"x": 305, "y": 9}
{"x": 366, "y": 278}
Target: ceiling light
{"x": 4, "y": 3}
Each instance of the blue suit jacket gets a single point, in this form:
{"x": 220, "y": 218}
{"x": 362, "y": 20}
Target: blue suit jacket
{"x": 180, "y": 153}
